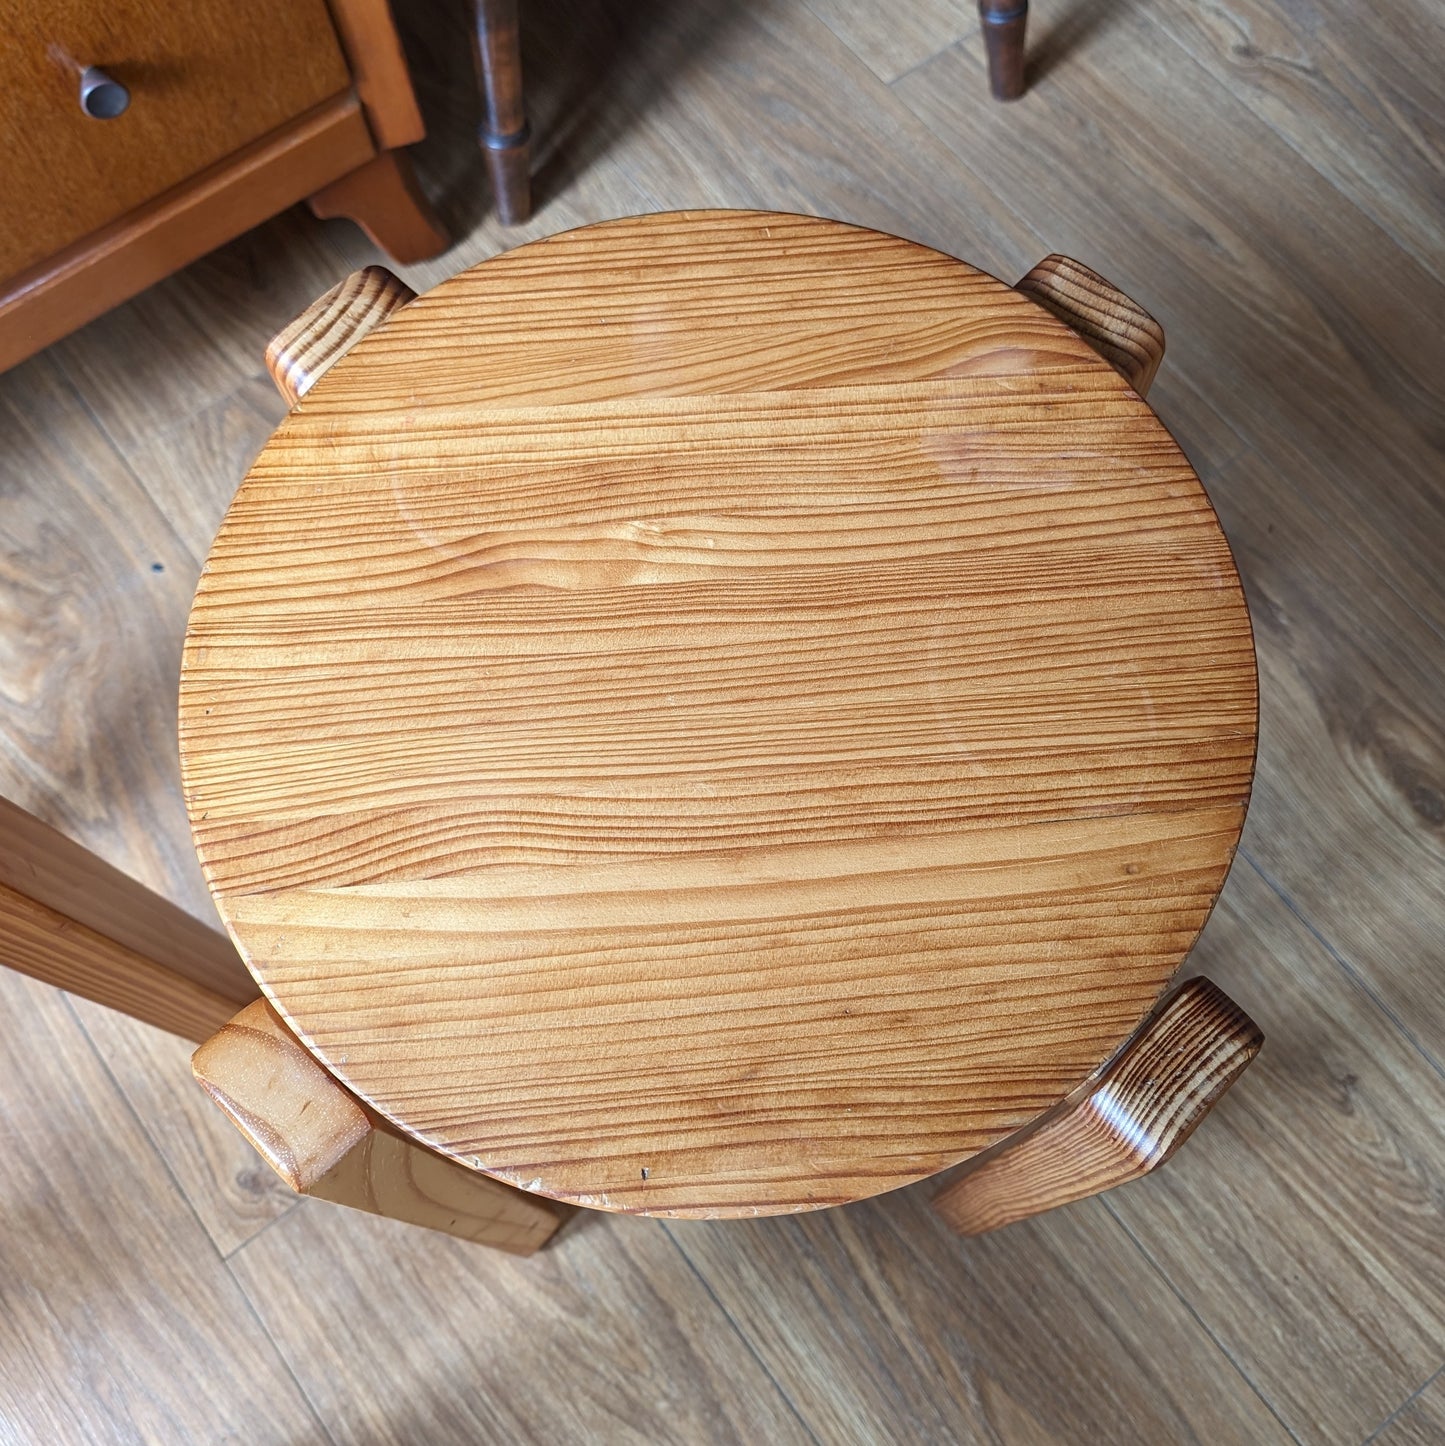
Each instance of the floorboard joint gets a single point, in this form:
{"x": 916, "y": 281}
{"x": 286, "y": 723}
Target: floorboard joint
{"x": 1354, "y": 975}
{"x": 1404, "y": 1406}
{"x": 752, "y": 1350}
{"x": 1199, "y": 1320}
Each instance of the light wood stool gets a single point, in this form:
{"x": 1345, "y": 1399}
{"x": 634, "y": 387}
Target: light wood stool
{"x": 719, "y": 714}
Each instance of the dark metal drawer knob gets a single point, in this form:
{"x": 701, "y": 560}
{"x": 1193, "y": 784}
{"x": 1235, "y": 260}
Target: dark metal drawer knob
{"x": 101, "y": 98}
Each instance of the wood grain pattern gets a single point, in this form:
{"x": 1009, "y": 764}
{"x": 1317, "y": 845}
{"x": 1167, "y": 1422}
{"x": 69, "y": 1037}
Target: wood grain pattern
{"x": 58, "y": 874}
{"x": 116, "y": 1304}
{"x": 882, "y": 1326}
{"x": 403, "y": 1335}
{"x": 206, "y": 78}
{"x": 72, "y": 286}
{"x": 1115, "y": 325}
{"x": 1121, "y": 1125}
{"x": 48, "y": 946}
{"x": 636, "y": 714}
{"x": 186, "y": 468}
{"x": 94, "y": 590}
{"x": 383, "y": 198}
{"x": 1298, "y": 1230}
{"x": 70, "y": 918}
{"x": 1338, "y": 491}
{"x": 1318, "y": 87}
{"x": 1421, "y": 1422}
{"x": 1285, "y": 318}
{"x": 1336, "y": 1313}
{"x": 894, "y": 41}
{"x": 323, "y": 1142}
{"x": 1356, "y": 758}
{"x": 301, "y": 353}
{"x": 378, "y": 70}
{"x": 227, "y": 1187}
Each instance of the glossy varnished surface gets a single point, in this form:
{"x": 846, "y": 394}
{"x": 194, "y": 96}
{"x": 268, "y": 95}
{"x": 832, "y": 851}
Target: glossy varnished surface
{"x": 1281, "y": 1279}
{"x": 719, "y": 713}
{"x": 1122, "y": 1124}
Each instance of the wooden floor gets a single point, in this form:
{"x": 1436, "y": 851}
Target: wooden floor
{"x": 1270, "y": 182}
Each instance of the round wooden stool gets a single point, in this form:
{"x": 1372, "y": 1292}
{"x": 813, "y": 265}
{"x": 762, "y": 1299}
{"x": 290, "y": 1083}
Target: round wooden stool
{"x": 728, "y": 713}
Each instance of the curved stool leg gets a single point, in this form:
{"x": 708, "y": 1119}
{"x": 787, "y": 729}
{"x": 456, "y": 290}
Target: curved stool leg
{"x": 1114, "y": 324}
{"x": 323, "y": 1141}
{"x": 1126, "y": 1121}
{"x": 304, "y": 351}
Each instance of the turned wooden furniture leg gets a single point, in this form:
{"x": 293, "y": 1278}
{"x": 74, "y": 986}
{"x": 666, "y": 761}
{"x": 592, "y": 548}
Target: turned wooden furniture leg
{"x": 1116, "y": 326}
{"x": 505, "y": 135}
{"x": 1004, "y": 22}
{"x": 323, "y": 1141}
{"x": 383, "y": 198}
{"x": 1126, "y": 1121}
{"x": 70, "y": 919}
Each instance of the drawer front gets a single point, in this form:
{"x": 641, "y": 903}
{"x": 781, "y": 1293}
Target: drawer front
{"x": 205, "y": 77}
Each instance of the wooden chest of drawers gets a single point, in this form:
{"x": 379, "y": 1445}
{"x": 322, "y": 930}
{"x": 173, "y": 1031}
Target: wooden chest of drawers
{"x": 213, "y": 117}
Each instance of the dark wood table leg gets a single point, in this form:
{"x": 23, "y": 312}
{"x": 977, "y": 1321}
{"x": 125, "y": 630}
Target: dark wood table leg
{"x": 505, "y": 135}
{"x": 1003, "y": 38}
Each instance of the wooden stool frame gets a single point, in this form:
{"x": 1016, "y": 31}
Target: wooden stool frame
{"x": 71, "y": 920}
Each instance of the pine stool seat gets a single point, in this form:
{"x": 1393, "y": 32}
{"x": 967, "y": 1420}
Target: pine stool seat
{"x": 728, "y": 713}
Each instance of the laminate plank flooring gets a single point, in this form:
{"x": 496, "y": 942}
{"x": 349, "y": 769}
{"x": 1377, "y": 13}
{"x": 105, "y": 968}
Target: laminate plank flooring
{"x": 97, "y": 585}
{"x": 1377, "y": 79}
{"x": 230, "y": 1189}
{"x": 210, "y": 323}
{"x": 1318, "y": 517}
{"x": 1348, "y": 723}
{"x": 1278, "y": 296}
{"x": 1420, "y": 1421}
{"x": 883, "y": 1327}
{"x": 1268, "y": 183}
{"x": 120, "y": 1321}
{"x": 1346, "y": 813}
{"x": 402, "y": 1335}
{"x": 1335, "y": 1310}
{"x": 892, "y": 39}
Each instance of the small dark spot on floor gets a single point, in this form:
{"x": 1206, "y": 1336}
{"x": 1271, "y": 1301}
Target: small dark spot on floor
{"x": 158, "y": 567}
